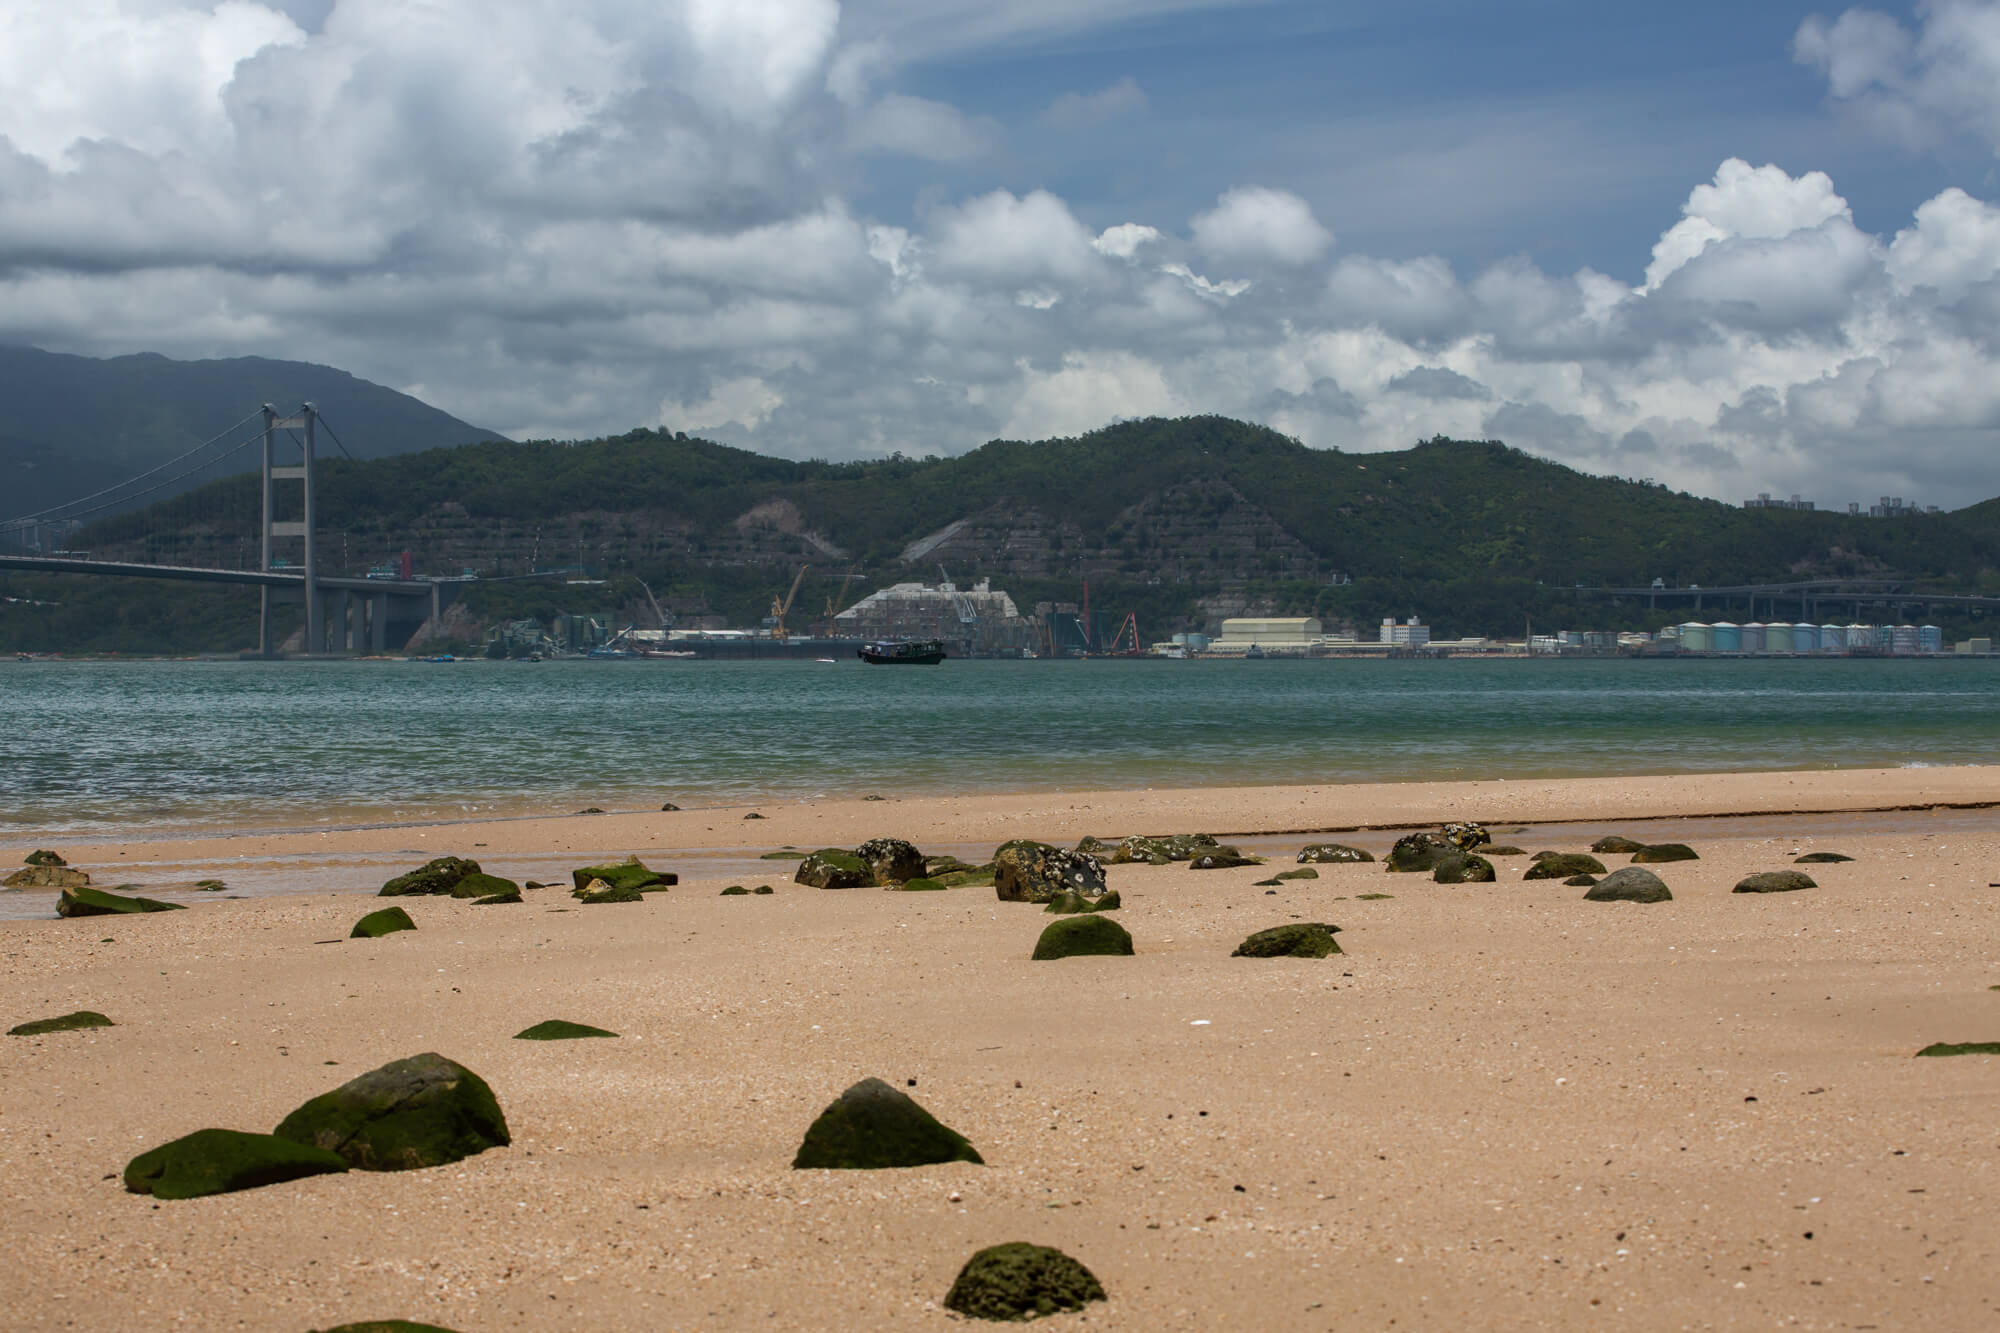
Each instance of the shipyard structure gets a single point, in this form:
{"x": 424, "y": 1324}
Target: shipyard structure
{"x": 970, "y": 622}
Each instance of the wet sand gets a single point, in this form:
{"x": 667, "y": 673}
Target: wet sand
{"x": 1502, "y": 1107}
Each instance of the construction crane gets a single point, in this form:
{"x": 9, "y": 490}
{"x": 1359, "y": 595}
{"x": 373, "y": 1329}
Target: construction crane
{"x": 779, "y": 609}
{"x": 835, "y": 605}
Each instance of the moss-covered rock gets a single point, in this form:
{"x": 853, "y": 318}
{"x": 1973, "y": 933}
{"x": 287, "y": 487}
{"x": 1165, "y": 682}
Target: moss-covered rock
{"x": 1331, "y": 853}
{"x": 1304, "y": 872}
{"x": 1961, "y": 1048}
{"x": 1110, "y": 902}
{"x": 97, "y": 902}
{"x": 1463, "y": 868}
{"x": 1821, "y": 859}
{"x": 763, "y": 888}
{"x": 217, "y": 1161}
{"x": 1222, "y": 858}
{"x": 873, "y": 1127}
{"x": 1161, "y": 849}
{"x": 626, "y": 874}
{"x": 434, "y": 876}
{"x": 498, "y": 899}
{"x": 1416, "y": 852}
{"x": 788, "y": 854}
{"x": 1493, "y": 850}
{"x": 1074, "y": 936}
{"x": 1581, "y": 881}
{"x": 936, "y": 866}
{"x": 210, "y": 885}
{"x": 1372, "y": 897}
{"x": 1102, "y": 848}
{"x": 1067, "y": 904}
{"x": 82, "y": 1018}
{"x": 973, "y": 877}
{"x": 1775, "y": 881}
{"x": 423, "y": 1111}
{"x": 41, "y": 857}
{"x": 1615, "y": 845}
{"x": 598, "y": 891}
{"x": 834, "y": 868}
{"x": 560, "y": 1029}
{"x": 921, "y": 884}
{"x": 1034, "y": 872}
{"x": 1630, "y": 885}
{"x": 891, "y": 860}
{"x": 1300, "y": 939}
{"x": 1021, "y": 1281}
{"x": 735, "y": 891}
{"x": 479, "y": 884}
{"x": 1561, "y": 865}
{"x": 1654, "y": 853}
{"x": 1466, "y": 835}
{"x": 375, "y": 925}
{"x": 46, "y": 877}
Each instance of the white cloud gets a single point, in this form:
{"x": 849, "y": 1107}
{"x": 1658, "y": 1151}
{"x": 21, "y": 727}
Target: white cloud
{"x": 1761, "y": 203}
{"x": 747, "y": 402}
{"x": 1942, "y": 79}
{"x": 1123, "y": 241}
{"x": 1255, "y": 223}
{"x": 917, "y": 127}
{"x": 1077, "y": 110}
{"x": 1000, "y": 236}
{"x": 1955, "y": 244}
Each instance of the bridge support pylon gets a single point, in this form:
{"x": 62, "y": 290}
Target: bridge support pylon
{"x": 303, "y": 527}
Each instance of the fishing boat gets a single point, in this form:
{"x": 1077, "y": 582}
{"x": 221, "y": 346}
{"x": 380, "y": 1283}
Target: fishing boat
{"x": 903, "y": 652}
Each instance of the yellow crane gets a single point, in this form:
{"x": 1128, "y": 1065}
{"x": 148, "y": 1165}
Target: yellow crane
{"x": 835, "y": 605}
{"x": 779, "y": 609}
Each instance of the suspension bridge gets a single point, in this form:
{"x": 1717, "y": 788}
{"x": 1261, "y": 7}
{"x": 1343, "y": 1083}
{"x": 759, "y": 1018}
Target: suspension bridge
{"x": 343, "y": 615}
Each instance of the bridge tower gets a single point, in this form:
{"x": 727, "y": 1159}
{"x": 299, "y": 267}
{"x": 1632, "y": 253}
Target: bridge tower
{"x": 272, "y": 529}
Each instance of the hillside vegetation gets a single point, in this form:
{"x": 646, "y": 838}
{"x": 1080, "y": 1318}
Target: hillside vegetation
{"x": 1183, "y": 520}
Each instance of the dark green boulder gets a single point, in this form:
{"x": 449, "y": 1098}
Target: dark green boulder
{"x": 1463, "y": 868}
{"x": 787, "y": 855}
{"x": 1078, "y": 935}
{"x": 1961, "y": 1048}
{"x": 735, "y": 891}
{"x": 1301, "y": 939}
{"x": 479, "y": 884}
{"x": 1466, "y": 835}
{"x": 597, "y": 891}
{"x": 891, "y": 860}
{"x": 1821, "y": 859}
{"x": 937, "y": 866}
{"x": 98, "y": 902}
{"x": 1420, "y": 851}
{"x": 1630, "y": 885}
{"x": 975, "y": 877}
{"x": 423, "y": 1111}
{"x": 216, "y": 1161}
{"x": 872, "y": 1127}
{"x": 377, "y": 924}
{"x": 82, "y": 1018}
{"x": 763, "y": 888}
{"x": 1305, "y": 872}
{"x": 1222, "y": 858}
{"x": 626, "y": 874}
{"x": 1654, "y": 853}
{"x": 1494, "y": 850}
{"x": 921, "y": 884}
{"x": 1158, "y": 849}
{"x": 1034, "y": 872}
{"x": 436, "y": 876}
{"x": 1561, "y": 865}
{"x": 45, "y": 858}
{"x": 1581, "y": 881}
{"x": 833, "y": 868}
{"x": 1331, "y": 853}
{"x": 1018, "y": 1281}
{"x": 1775, "y": 881}
{"x": 560, "y": 1029}
{"x": 1103, "y": 848}
{"x": 1616, "y": 845}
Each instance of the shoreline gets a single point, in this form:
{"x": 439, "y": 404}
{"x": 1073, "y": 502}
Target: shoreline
{"x": 1501, "y": 1106}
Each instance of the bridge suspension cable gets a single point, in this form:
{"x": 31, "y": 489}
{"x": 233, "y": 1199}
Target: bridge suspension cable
{"x": 80, "y": 506}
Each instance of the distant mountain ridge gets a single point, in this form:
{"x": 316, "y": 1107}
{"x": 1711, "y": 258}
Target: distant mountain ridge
{"x": 72, "y": 425}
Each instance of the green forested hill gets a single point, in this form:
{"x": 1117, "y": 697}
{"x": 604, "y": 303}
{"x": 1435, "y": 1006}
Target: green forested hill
{"x": 1183, "y": 520}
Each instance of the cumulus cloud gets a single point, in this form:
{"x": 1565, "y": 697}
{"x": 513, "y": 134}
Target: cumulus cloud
{"x": 1944, "y": 78}
{"x": 605, "y": 213}
{"x": 1076, "y": 110}
{"x": 1258, "y": 224}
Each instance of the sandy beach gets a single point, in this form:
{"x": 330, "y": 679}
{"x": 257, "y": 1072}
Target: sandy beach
{"x": 1502, "y": 1107}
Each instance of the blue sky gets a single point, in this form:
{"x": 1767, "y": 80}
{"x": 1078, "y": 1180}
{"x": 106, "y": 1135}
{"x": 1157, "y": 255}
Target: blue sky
{"x": 1735, "y": 248}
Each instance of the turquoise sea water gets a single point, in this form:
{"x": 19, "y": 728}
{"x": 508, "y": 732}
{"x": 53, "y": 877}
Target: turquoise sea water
{"x": 126, "y": 746}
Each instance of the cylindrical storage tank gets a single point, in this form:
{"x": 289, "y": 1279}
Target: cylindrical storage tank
{"x": 1904, "y": 644}
{"x": 1805, "y": 638}
{"x": 1930, "y": 639}
{"x": 1885, "y": 638}
{"x": 1727, "y": 636}
{"x": 1780, "y": 637}
{"x": 1753, "y": 637}
{"x": 1860, "y": 636}
{"x": 1833, "y": 638}
{"x": 1697, "y": 637}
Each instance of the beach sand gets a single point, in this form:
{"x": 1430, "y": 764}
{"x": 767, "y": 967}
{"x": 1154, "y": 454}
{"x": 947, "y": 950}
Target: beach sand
{"x": 1503, "y": 1107}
